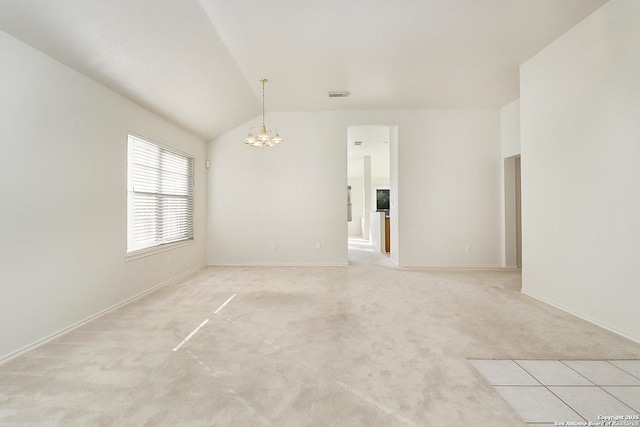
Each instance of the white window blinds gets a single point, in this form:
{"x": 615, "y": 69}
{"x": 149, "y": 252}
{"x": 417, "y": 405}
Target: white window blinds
{"x": 160, "y": 195}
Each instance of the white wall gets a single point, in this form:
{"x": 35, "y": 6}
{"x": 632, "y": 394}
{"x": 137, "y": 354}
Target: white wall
{"x": 377, "y": 233}
{"x": 449, "y": 183}
{"x": 394, "y": 195}
{"x": 63, "y": 181}
{"x": 357, "y": 200}
{"x": 448, "y": 176}
{"x": 293, "y": 196}
{"x": 357, "y": 206}
{"x": 375, "y": 143}
{"x": 378, "y": 182}
{"x": 510, "y": 141}
{"x": 509, "y": 213}
{"x": 367, "y": 191}
{"x": 580, "y": 101}
{"x": 510, "y": 129}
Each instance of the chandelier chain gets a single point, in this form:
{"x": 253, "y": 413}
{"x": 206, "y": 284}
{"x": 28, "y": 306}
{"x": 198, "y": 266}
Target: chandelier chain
{"x": 263, "y": 137}
{"x": 263, "y": 82}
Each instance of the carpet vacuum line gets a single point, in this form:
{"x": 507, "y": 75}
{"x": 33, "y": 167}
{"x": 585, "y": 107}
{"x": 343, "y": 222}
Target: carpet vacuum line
{"x": 184, "y": 341}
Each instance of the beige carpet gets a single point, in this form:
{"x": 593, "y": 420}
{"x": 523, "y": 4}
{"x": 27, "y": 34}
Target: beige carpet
{"x": 368, "y": 345}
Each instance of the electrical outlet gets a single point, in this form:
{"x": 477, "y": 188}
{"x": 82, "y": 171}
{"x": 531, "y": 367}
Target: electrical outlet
{"x": 468, "y": 248}
{"x": 274, "y": 247}
{"x": 168, "y": 259}
{"x": 318, "y": 245}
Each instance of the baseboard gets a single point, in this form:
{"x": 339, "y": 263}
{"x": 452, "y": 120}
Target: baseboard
{"x": 478, "y": 266}
{"x": 573, "y": 313}
{"x": 61, "y": 332}
{"x": 276, "y": 264}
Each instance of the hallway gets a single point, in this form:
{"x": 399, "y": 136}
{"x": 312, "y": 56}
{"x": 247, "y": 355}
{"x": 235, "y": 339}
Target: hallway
{"x": 361, "y": 252}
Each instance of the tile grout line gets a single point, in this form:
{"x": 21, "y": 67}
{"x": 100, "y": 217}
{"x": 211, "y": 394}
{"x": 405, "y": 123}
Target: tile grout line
{"x": 585, "y": 386}
{"x": 623, "y": 370}
{"x": 593, "y": 384}
{"x": 524, "y": 369}
{"x": 625, "y": 404}
{"x": 518, "y": 386}
{"x": 578, "y": 372}
{"x": 615, "y": 397}
{"x": 601, "y": 386}
{"x": 550, "y": 391}
{"x": 546, "y": 360}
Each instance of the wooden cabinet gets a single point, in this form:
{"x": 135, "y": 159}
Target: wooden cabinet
{"x": 387, "y": 235}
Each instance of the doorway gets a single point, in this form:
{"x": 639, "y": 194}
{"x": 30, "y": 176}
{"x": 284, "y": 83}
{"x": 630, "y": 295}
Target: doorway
{"x": 513, "y": 213}
{"x": 369, "y": 176}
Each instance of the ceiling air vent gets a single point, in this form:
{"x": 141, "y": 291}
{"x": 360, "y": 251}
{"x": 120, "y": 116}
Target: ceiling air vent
{"x": 338, "y": 94}
{"x": 357, "y": 143}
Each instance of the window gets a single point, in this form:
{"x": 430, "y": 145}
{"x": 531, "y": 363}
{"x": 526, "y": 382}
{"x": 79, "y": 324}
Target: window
{"x": 160, "y": 195}
{"x": 382, "y": 200}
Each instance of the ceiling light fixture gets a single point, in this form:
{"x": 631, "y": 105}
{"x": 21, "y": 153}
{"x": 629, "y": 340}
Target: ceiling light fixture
{"x": 263, "y": 137}
{"x": 341, "y": 94}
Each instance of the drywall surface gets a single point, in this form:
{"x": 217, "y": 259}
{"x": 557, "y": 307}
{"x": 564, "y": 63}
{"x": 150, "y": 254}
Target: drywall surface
{"x": 394, "y": 195}
{"x": 378, "y": 183}
{"x": 357, "y": 206}
{"x": 510, "y": 129}
{"x": 445, "y": 163}
{"x": 510, "y": 212}
{"x": 276, "y": 206}
{"x": 357, "y": 197}
{"x": 580, "y": 101}
{"x": 450, "y": 188}
{"x": 366, "y": 231}
{"x": 63, "y": 172}
{"x": 377, "y": 232}
{"x": 374, "y": 142}
{"x": 510, "y": 140}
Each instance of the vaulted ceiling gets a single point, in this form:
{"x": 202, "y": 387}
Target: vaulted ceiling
{"x": 197, "y": 62}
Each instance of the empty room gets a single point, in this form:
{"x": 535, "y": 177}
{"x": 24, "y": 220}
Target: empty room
{"x": 409, "y": 213}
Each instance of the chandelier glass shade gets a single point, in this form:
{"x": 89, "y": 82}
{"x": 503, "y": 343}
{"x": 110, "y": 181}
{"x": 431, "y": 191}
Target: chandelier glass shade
{"x": 263, "y": 137}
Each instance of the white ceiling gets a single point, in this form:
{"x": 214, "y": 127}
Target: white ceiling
{"x": 398, "y": 54}
{"x": 162, "y": 54}
{"x": 375, "y": 143}
{"x": 203, "y": 74}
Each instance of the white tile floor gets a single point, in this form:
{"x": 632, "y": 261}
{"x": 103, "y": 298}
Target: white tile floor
{"x": 550, "y": 392}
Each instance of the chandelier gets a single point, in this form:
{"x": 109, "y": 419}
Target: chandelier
{"x": 263, "y": 137}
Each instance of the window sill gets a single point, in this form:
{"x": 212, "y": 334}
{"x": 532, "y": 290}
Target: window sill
{"x": 157, "y": 249}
